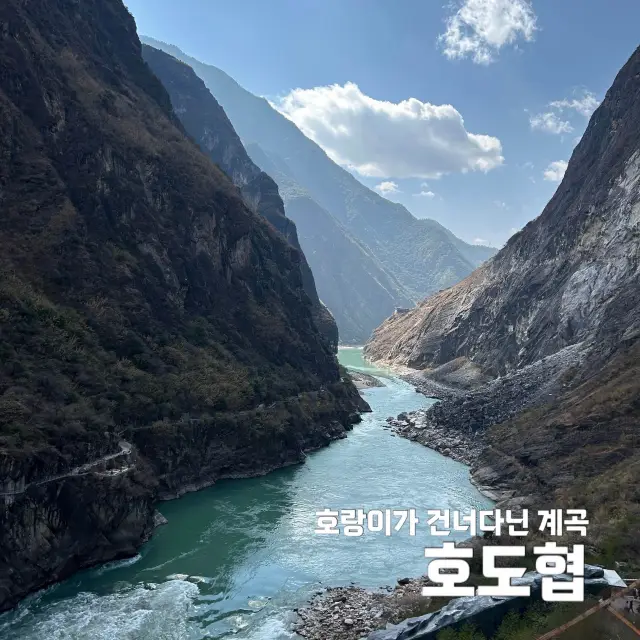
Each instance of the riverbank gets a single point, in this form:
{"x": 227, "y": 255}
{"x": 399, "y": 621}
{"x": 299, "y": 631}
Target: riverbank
{"x": 349, "y": 613}
{"x": 467, "y": 448}
{"x": 235, "y": 559}
{"x": 454, "y": 427}
{"x": 418, "y": 426}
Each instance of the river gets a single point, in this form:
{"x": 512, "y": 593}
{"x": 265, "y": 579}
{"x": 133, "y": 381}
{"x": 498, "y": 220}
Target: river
{"x": 235, "y": 559}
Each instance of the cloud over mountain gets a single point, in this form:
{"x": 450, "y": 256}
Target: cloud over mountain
{"x": 555, "y": 171}
{"x": 583, "y": 103}
{"x": 387, "y": 188}
{"x": 408, "y": 139}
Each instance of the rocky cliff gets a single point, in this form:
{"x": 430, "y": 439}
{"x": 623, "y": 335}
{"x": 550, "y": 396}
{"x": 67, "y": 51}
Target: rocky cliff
{"x": 155, "y": 334}
{"x": 419, "y": 256}
{"x": 356, "y": 286}
{"x": 571, "y": 275}
{"x": 554, "y": 317}
{"x": 207, "y": 123}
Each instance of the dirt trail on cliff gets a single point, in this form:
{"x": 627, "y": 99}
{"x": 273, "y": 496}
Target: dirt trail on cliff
{"x": 83, "y": 469}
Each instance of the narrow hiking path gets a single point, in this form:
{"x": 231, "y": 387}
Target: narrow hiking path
{"x": 84, "y": 469}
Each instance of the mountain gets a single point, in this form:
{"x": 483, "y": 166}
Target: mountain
{"x": 570, "y": 275}
{"x": 475, "y": 254}
{"x": 206, "y": 122}
{"x": 356, "y": 285}
{"x": 420, "y": 255}
{"x": 155, "y": 333}
{"x": 563, "y": 293}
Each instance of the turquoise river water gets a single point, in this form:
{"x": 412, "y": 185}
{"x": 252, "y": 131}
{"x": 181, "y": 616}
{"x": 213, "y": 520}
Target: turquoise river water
{"x": 235, "y": 559}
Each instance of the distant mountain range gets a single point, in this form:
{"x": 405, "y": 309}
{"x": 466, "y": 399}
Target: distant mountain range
{"x": 368, "y": 255}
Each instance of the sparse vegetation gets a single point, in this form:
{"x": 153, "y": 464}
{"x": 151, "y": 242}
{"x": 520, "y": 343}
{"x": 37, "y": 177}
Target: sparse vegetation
{"x": 139, "y": 299}
{"x": 537, "y": 620}
{"x": 583, "y": 451}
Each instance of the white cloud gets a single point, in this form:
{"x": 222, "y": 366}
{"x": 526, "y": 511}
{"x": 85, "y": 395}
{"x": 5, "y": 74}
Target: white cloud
{"x": 555, "y": 171}
{"x": 425, "y": 194}
{"x": 387, "y": 188}
{"x": 408, "y": 139}
{"x": 480, "y": 241}
{"x": 480, "y": 28}
{"x": 550, "y": 123}
{"x": 585, "y": 104}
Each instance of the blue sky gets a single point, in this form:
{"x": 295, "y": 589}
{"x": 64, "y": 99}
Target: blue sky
{"x": 520, "y": 79}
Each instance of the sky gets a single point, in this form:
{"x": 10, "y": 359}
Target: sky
{"x": 465, "y": 112}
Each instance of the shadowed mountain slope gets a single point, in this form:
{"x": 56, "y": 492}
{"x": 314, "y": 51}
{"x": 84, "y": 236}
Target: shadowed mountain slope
{"x": 155, "y": 333}
{"x": 355, "y": 284}
{"x": 206, "y": 122}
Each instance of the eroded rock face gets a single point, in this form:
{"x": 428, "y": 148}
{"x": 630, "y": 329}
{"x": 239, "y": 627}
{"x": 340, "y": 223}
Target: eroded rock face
{"x": 141, "y": 302}
{"x": 570, "y": 275}
{"x": 207, "y": 123}
{"x": 555, "y": 318}
{"x": 64, "y": 519}
{"x": 579, "y": 450}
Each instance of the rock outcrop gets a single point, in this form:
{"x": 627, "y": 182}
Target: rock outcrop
{"x": 570, "y": 275}
{"x": 403, "y": 613}
{"x": 352, "y": 613}
{"x": 207, "y": 123}
{"x": 484, "y": 613}
{"x": 364, "y": 380}
{"x": 420, "y": 256}
{"x": 420, "y": 426}
{"x": 155, "y": 333}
